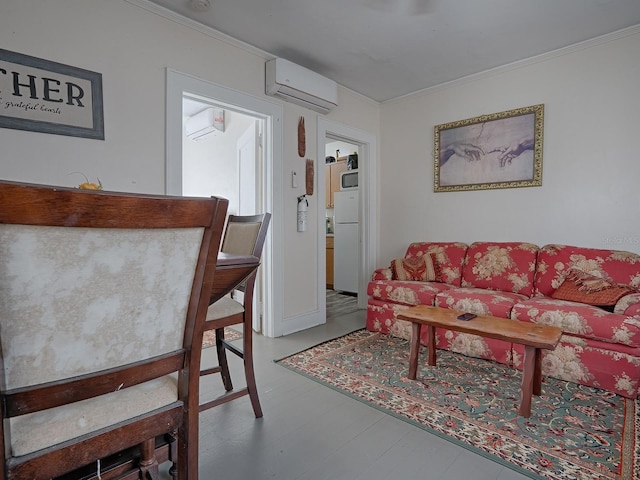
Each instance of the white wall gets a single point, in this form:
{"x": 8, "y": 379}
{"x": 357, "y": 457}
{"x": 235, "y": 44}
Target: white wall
{"x": 301, "y": 248}
{"x": 590, "y": 168}
{"x": 132, "y": 47}
{"x": 591, "y": 164}
{"x": 210, "y": 164}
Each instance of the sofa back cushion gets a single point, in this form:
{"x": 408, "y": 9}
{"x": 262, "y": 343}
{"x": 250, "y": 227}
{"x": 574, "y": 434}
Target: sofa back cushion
{"x": 448, "y": 256}
{"x": 554, "y": 262}
{"x": 502, "y": 266}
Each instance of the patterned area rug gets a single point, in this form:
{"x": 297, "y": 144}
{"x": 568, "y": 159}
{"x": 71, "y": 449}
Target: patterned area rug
{"x": 575, "y": 432}
{"x": 209, "y": 337}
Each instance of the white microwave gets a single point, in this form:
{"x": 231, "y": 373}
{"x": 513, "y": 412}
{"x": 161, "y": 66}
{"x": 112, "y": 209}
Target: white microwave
{"x": 349, "y": 180}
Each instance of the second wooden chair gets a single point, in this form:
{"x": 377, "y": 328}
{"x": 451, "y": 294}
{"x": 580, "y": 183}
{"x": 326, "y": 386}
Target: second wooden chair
{"x": 244, "y": 235}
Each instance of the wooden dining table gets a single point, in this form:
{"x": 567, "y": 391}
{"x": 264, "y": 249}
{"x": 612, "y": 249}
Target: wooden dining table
{"x": 231, "y": 270}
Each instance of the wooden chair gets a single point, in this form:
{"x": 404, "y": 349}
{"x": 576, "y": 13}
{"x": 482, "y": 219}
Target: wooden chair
{"x": 244, "y": 235}
{"x": 103, "y": 298}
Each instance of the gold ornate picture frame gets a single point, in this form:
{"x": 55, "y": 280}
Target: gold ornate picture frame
{"x": 499, "y": 150}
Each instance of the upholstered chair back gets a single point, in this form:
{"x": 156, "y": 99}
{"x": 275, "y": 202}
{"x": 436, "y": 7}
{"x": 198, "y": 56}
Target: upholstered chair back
{"x": 240, "y": 237}
{"x": 103, "y": 298}
{"x": 80, "y": 300}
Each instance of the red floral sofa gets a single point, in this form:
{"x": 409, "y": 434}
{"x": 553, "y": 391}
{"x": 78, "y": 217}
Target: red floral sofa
{"x": 591, "y": 294}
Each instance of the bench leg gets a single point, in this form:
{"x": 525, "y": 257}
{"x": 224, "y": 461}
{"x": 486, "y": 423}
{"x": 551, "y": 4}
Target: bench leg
{"x": 531, "y": 379}
{"x": 537, "y": 373}
{"x": 431, "y": 345}
{"x": 414, "y": 349}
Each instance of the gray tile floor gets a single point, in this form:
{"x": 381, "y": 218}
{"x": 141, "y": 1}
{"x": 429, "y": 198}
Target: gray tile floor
{"x": 311, "y": 432}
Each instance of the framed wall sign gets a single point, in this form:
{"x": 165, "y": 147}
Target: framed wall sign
{"x": 500, "y": 150}
{"x": 43, "y": 96}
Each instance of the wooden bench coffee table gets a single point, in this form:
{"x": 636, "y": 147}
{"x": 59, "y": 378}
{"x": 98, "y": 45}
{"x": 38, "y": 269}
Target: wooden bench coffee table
{"x": 533, "y": 336}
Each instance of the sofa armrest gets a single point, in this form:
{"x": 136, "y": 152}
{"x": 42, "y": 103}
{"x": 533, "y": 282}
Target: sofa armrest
{"x": 382, "y": 274}
{"x": 628, "y": 305}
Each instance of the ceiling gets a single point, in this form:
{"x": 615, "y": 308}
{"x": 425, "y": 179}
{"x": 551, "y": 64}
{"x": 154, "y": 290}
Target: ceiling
{"x": 384, "y": 49}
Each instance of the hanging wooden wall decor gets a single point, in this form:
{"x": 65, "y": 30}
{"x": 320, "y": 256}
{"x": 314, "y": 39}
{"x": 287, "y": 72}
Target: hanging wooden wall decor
{"x": 309, "y": 179}
{"x": 302, "y": 141}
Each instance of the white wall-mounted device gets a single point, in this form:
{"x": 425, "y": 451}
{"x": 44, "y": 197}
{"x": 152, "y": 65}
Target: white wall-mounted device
{"x": 300, "y": 85}
{"x": 303, "y": 208}
{"x": 204, "y": 123}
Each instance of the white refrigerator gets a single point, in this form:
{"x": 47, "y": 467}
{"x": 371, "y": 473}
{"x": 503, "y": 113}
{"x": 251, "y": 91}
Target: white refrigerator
{"x": 346, "y": 240}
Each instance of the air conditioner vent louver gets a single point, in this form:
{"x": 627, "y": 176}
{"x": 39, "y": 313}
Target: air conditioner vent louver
{"x": 208, "y": 121}
{"x": 300, "y": 85}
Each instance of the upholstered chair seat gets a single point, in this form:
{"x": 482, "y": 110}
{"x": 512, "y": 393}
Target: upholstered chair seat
{"x": 225, "y": 307}
{"x": 39, "y": 430}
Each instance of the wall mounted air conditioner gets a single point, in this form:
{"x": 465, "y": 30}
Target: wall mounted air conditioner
{"x": 300, "y": 85}
{"x": 206, "y": 122}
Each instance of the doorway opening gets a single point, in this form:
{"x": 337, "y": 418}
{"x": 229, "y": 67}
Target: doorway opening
{"x": 222, "y": 156}
{"x": 342, "y": 213}
{"x": 249, "y": 176}
{"x": 335, "y": 139}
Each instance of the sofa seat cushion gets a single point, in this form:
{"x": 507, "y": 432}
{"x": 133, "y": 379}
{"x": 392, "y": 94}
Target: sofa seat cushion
{"x": 405, "y": 292}
{"x": 504, "y": 266}
{"x": 479, "y": 301}
{"x": 581, "y": 320}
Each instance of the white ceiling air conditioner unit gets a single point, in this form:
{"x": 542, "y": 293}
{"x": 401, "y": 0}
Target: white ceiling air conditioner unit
{"x": 300, "y": 85}
{"x": 206, "y": 122}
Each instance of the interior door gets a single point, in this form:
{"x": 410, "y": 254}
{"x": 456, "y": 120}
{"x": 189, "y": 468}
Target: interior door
{"x": 248, "y": 147}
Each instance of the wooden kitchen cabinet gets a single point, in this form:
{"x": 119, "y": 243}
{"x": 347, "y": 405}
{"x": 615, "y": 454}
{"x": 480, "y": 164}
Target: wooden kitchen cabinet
{"x": 332, "y": 179}
{"x": 329, "y": 262}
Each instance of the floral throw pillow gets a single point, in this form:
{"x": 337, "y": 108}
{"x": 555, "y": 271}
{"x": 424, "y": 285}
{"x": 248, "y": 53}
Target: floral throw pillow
{"x": 579, "y": 286}
{"x": 421, "y": 269}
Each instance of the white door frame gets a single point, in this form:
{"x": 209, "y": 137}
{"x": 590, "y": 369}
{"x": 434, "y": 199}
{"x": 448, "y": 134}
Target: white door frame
{"x": 177, "y": 85}
{"x": 249, "y": 171}
{"x": 249, "y": 188}
{"x": 367, "y": 168}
